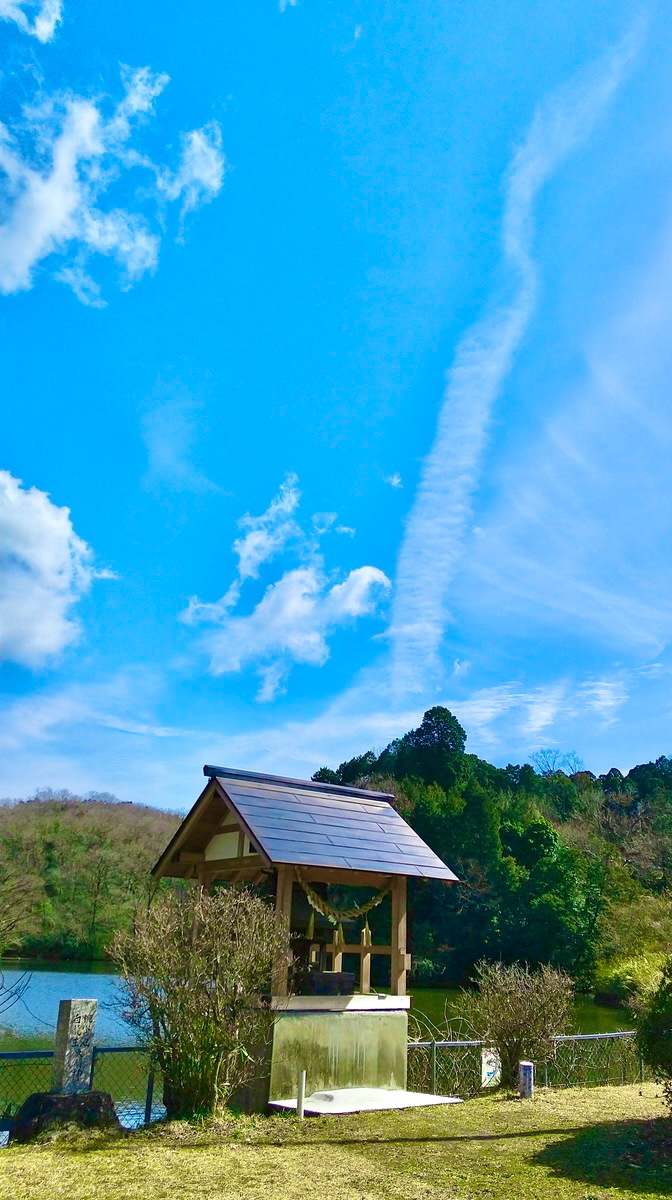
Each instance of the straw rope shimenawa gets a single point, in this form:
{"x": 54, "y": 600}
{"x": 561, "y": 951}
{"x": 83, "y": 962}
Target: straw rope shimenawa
{"x": 336, "y": 916}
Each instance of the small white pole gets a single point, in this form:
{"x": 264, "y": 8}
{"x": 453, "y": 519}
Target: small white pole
{"x": 301, "y": 1098}
{"x": 526, "y": 1080}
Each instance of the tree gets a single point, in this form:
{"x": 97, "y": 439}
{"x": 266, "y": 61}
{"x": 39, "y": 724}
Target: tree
{"x": 654, "y": 1031}
{"x": 16, "y": 899}
{"x": 194, "y": 974}
{"x": 434, "y": 751}
{"x": 518, "y": 1012}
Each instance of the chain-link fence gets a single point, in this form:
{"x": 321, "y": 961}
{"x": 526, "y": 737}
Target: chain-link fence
{"x": 22, "y": 1072}
{"x": 442, "y": 1068}
{"x": 133, "y": 1082}
{"x": 126, "y": 1072}
{"x": 591, "y": 1059}
{"x": 579, "y": 1060}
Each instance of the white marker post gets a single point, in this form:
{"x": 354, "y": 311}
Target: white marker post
{"x": 301, "y": 1096}
{"x": 526, "y": 1080}
{"x": 73, "y": 1048}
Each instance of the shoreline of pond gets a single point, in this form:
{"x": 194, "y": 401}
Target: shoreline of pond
{"x": 31, "y": 1025}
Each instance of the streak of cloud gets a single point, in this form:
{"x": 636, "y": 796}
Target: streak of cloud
{"x": 441, "y": 509}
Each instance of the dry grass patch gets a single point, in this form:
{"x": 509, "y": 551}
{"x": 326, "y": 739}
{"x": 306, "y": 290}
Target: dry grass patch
{"x": 579, "y": 1144}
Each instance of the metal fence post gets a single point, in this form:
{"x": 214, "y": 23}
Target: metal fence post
{"x": 641, "y": 1068}
{"x": 94, "y": 1055}
{"x": 433, "y": 1068}
{"x": 150, "y": 1093}
{"x": 545, "y": 1074}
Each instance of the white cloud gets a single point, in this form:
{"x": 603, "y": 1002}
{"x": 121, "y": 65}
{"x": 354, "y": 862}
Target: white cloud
{"x": 200, "y": 175}
{"x": 435, "y": 529}
{"x": 270, "y": 533}
{"x": 394, "y": 480}
{"x": 283, "y": 5}
{"x": 292, "y": 621}
{"x": 45, "y": 19}
{"x": 290, "y": 624}
{"x": 58, "y": 164}
{"x": 44, "y": 570}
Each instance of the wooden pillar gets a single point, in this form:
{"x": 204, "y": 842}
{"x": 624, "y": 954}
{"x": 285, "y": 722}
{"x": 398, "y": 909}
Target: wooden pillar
{"x": 365, "y": 960}
{"x": 283, "y": 914}
{"x": 399, "y": 960}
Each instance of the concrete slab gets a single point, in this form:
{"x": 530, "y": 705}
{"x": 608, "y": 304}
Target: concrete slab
{"x": 350, "y": 1100}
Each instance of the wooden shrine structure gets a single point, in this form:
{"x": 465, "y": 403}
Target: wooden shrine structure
{"x": 301, "y": 834}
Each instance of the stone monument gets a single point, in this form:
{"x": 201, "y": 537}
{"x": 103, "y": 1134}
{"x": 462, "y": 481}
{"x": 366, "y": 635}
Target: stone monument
{"x": 70, "y": 1101}
{"x": 73, "y": 1048}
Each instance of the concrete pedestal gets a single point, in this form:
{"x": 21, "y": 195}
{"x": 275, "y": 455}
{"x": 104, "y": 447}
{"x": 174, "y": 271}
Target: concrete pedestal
{"x": 339, "y": 1041}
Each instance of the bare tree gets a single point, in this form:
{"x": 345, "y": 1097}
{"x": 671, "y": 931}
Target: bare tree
{"x": 549, "y": 761}
{"x": 518, "y": 1011}
{"x": 196, "y": 972}
{"x": 16, "y": 901}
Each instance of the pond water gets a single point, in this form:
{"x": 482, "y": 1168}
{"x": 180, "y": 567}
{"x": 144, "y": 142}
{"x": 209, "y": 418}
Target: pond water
{"x": 33, "y": 1018}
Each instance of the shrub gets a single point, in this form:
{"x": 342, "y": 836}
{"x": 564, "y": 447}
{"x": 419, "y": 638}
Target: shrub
{"x": 194, "y": 974}
{"x": 518, "y": 1011}
{"x": 623, "y": 979}
{"x": 654, "y": 1031}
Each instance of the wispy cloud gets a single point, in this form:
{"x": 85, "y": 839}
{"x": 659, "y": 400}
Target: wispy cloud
{"x": 283, "y": 5}
{"x": 295, "y": 616}
{"x": 170, "y": 431}
{"x": 436, "y": 526}
{"x": 269, "y": 534}
{"x": 46, "y": 15}
{"x": 45, "y": 568}
{"x": 56, "y": 167}
{"x": 605, "y": 697}
{"x": 394, "y": 480}
{"x": 103, "y": 735}
{"x": 574, "y": 532}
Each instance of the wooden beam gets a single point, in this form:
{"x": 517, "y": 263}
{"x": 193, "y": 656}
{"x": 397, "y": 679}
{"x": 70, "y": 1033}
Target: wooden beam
{"x": 356, "y": 948}
{"x": 351, "y": 878}
{"x": 233, "y": 864}
{"x": 399, "y": 957}
{"x": 283, "y": 915}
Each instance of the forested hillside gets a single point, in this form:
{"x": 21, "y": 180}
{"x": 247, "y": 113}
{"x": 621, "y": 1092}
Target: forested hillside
{"x": 76, "y": 869}
{"x": 555, "y": 864}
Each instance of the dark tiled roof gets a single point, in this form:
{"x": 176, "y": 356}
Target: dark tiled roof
{"x": 306, "y": 823}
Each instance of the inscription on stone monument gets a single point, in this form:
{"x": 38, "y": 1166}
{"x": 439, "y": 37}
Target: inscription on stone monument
{"x": 73, "y": 1048}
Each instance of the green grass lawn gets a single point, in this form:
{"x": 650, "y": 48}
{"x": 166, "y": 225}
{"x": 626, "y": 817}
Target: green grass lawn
{"x": 587, "y": 1144}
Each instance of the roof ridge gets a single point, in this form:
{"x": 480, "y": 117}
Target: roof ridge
{"x": 309, "y": 785}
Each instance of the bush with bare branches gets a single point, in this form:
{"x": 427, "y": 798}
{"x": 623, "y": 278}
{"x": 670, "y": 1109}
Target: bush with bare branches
{"x": 196, "y": 974}
{"x": 518, "y": 1011}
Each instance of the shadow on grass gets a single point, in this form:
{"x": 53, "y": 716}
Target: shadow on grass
{"x": 636, "y": 1155}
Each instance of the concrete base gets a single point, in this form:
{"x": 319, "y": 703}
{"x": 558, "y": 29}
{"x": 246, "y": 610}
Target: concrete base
{"x": 340, "y": 1047}
{"x": 350, "y": 1100}
{"x": 339, "y": 1041}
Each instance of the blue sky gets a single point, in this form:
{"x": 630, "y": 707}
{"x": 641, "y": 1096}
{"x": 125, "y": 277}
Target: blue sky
{"x": 336, "y": 369}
